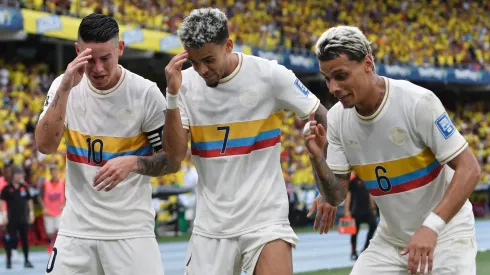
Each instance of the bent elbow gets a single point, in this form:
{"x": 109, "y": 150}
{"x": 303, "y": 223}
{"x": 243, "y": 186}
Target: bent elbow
{"x": 476, "y": 172}
{"x": 44, "y": 149}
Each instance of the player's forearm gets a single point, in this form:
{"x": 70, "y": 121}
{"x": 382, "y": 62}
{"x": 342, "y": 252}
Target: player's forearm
{"x": 49, "y": 129}
{"x": 462, "y": 185}
{"x": 347, "y": 202}
{"x": 321, "y": 118}
{"x": 156, "y": 165}
{"x": 333, "y": 187}
{"x": 175, "y": 136}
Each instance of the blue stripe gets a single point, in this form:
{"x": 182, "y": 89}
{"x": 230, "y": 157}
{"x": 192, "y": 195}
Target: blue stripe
{"x": 373, "y": 184}
{"x": 106, "y": 155}
{"x": 239, "y": 142}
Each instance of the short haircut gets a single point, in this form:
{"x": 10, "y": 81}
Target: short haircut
{"x": 346, "y": 40}
{"x": 98, "y": 28}
{"x": 205, "y": 25}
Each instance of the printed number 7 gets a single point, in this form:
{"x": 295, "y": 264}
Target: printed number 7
{"x": 225, "y": 140}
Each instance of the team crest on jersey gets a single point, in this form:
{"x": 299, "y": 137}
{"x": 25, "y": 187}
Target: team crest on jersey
{"x": 249, "y": 99}
{"x": 445, "y": 126}
{"x": 301, "y": 87}
{"x": 125, "y": 115}
{"x": 398, "y": 136}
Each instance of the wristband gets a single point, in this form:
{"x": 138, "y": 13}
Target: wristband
{"x": 172, "y": 101}
{"x": 434, "y": 222}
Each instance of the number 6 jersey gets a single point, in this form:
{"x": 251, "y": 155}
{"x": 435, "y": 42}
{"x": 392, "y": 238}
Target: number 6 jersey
{"x": 401, "y": 153}
{"x": 101, "y": 125}
{"x": 235, "y": 144}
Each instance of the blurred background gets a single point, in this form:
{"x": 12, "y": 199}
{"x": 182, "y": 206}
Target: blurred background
{"x": 441, "y": 45}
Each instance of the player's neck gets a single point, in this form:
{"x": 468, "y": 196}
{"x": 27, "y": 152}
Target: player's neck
{"x": 374, "y": 97}
{"x": 233, "y": 63}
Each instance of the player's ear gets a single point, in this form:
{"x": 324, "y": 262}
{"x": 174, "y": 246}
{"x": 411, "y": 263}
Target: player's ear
{"x": 120, "y": 47}
{"x": 368, "y": 63}
{"x": 229, "y": 45}
{"x": 77, "y": 48}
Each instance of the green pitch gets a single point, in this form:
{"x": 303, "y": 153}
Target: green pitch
{"x": 482, "y": 267}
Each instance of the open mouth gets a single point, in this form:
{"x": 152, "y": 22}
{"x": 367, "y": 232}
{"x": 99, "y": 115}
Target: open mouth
{"x": 99, "y": 77}
{"x": 343, "y": 98}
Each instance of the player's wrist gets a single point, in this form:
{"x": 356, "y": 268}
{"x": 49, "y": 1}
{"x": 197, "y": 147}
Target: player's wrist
{"x": 172, "y": 101}
{"x": 434, "y": 222}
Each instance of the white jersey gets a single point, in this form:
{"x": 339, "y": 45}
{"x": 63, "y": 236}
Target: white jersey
{"x": 236, "y": 145}
{"x": 400, "y": 152}
{"x": 99, "y": 126}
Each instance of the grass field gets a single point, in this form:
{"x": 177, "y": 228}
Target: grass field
{"x": 482, "y": 267}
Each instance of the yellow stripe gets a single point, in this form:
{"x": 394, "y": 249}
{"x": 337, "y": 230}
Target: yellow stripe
{"x": 111, "y": 144}
{"x": 237, "y": 129}
{"x": 395, "y": 168}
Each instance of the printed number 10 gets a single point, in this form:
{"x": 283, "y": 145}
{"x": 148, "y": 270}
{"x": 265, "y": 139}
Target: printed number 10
{"x": 92, "y": 155}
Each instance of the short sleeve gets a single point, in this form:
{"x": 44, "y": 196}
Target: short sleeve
{"x": 336, "y": 158}
{"x": 436, "y": 130}
{"x": 183, "y": 113}
{"x": 291, "y": 93}
{"x": 155, "y": 106}
{"x": 51, "y": 95}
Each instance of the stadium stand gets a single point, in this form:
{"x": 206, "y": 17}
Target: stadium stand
{"x": 451, "y": 33}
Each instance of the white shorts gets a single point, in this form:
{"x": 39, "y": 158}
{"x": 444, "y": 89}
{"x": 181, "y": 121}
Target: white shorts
{"x": 207, "y": 256}
{"x": 102, "y": 257}
{"x": 451, "y": 257}
{"x": 52, "y": 224}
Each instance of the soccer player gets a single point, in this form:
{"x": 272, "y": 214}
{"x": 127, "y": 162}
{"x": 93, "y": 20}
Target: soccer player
{"x": 400, "y": 141}
{"x": 52, "y": 200}
{"x": 104, "y": 112}
{"x": 231, "y": 104}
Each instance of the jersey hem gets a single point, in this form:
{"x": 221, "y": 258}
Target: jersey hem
{"x": 103, "y": 237}
{"x": 447, "y": 237}
{"x": 315, "y": 107}
{"x": 239, "y": 233}
{"x": 455, "y": 154}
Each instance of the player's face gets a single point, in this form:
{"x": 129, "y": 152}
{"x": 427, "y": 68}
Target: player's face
{"x": 102, "y": 68}
{"x": 347, "y": 80}
{"x": 211, "y": 61}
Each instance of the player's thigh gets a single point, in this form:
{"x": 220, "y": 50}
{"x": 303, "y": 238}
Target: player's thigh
{"x": 49, "y": 224}
{"x": 208, "y": 256}
{"x": 455, "y": 257}
{"x": 74, "y": 256}
{"x": 268, "y": 250}
{"x": 130, "y": 256}
{"x": 380, "y": 258}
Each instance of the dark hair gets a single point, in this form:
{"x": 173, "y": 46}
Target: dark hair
{"x": 205, "y": 25}
{"x": 98, "y": 28}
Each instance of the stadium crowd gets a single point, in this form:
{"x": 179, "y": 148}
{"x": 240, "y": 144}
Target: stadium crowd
{"x": 448, "y": 33}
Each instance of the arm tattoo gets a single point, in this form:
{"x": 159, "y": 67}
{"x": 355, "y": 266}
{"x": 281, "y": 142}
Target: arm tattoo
{"x": 156, "y": 165}
{"x": 46, "y": 126}
{"x": 332, "y": 187}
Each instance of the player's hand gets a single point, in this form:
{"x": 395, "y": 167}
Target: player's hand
{"x": 173, "y": 72}
{"x": 316, "y": 140}
{"x": 74, "y": 71}
{"x": 420, "y": 249}
{"x": 325, "y": 216}
{"x": 113, "y": 172}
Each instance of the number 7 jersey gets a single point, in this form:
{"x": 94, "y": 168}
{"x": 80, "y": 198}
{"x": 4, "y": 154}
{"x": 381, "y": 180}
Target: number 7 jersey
{"x": 236, "y": 144}
{"x": 99, "y": 126}
{"x": 401, "y": 154}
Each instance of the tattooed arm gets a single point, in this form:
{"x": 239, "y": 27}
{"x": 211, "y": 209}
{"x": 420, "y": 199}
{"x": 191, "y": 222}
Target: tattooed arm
{"x": 156, "y": 165}
{"x": 51, "y": 125}
{"x": 333, "y": 187}
{"x": 321, "y": 118}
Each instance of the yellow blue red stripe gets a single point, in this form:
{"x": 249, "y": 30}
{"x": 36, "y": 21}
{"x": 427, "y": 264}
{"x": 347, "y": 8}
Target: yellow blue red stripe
{"x": 237, "y": 138}
{"x": 97, "y": 150}
{"x": 399, "y": 175}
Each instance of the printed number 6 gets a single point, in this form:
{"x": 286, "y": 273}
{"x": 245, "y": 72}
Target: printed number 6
{"x": 382, "y": 178}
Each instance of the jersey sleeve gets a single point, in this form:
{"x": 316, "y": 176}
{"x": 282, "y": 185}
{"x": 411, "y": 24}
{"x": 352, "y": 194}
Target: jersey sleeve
{"x": 51, "y": 95}
{"x": 291, "y": 93}
{"x": 435, "y": 129}
{"x": 183, "y": 113}
{"x": 155, "y": 106}
{"x": 336, "y": 158}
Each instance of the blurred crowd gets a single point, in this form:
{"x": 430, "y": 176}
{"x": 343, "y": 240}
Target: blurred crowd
{"x": 451, "y": 33}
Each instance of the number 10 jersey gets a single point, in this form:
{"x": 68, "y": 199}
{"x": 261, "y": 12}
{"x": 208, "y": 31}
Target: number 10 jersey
{"x": 101, "y": 125}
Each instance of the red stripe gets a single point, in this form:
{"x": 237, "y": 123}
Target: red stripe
{"x": 409, "y": 185}
{"x": 84, "y": 160}
{"x": 237, "y": 150}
